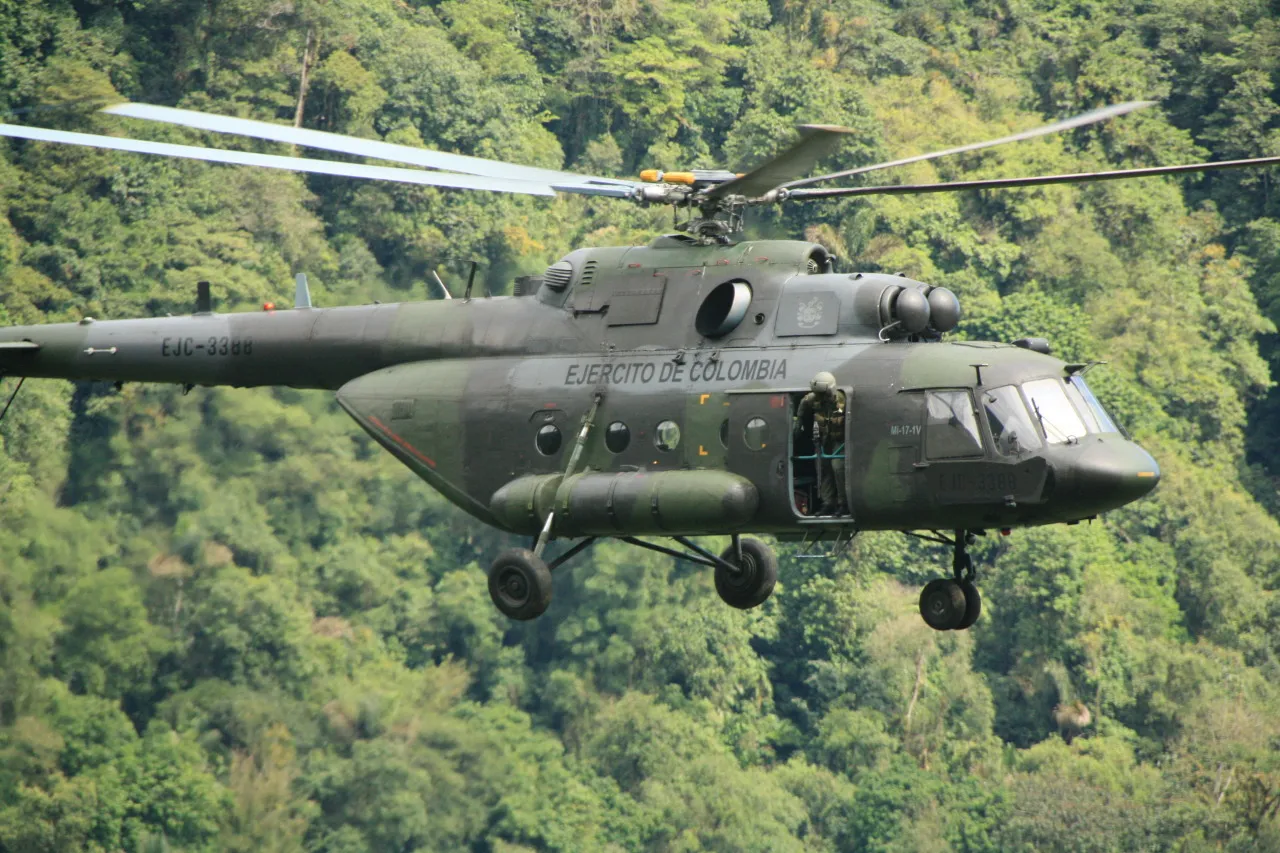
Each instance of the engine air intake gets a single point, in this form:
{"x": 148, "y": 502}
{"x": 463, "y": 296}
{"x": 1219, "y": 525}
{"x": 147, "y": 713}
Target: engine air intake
{"x": 558, "y": 276}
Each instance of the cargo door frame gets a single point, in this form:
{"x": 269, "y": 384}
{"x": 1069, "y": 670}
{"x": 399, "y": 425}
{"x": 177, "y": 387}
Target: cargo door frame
{"x": 765, "y": 466}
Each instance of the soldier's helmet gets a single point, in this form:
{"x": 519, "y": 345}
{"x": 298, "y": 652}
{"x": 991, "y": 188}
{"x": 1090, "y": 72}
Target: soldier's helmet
{"x": 823, "y": 383}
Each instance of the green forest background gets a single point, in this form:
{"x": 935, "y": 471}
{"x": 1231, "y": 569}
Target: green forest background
{"x": 229, "y": 622}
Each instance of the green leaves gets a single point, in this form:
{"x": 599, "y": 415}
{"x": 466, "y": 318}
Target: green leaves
{"x": 107, "y": 646}
{"x": 88, "y": 781}
{"x": 300, "y": 631}
{"x": 248, "y": 630}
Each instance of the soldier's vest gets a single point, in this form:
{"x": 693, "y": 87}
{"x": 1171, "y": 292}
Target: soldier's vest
{"x": 829, "y": 416}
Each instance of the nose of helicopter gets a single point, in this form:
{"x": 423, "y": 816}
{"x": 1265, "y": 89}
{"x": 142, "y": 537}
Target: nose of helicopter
{"x": 1114, "y": 473}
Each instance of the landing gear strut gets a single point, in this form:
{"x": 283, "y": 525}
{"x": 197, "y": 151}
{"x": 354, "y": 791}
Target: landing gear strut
{"x": 953, "y": 604}
{"x": 520, "y": 580}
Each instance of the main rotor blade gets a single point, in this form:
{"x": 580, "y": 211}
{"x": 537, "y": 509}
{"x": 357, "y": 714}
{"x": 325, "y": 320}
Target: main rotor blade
{"x": 816, "y": 141}
{"x": 1039, "y": 180}
{"x": 1091, "y": 117}
{"x": 271, "y": 161}
{"x": 378, "y": 149}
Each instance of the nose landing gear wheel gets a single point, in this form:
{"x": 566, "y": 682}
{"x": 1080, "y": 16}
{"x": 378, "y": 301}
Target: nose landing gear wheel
{"x": 972, "y": 605}
{"x": 953, "y": 605}
{"x": 756, "y": 573}
{"x": 520, "y": 584}
{"x": 943, "y": 604}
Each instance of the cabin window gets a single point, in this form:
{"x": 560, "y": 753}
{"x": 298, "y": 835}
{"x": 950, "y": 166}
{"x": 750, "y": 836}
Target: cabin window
{"x": 723, "y": 309}
{"x": 953, "y": 426}
{"x": 756, "y": 434}
{"x": 1098, "y": 420}
{"x": 667, "y": 435}
{"x": 1010, "y": 422}
{"x": 724, "y": 433}
{"x": 548, "y": 440}
{"x": 617, "y": 436}
{"x": 1058, "y": 418}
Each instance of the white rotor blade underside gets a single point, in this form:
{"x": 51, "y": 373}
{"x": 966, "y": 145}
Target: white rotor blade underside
{"x": 1091, "y": 117}
{"x": 271, "y": 161}
{"x": 566, "y": 181}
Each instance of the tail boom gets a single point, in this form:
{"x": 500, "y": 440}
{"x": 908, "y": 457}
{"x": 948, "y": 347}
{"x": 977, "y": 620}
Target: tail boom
{"x": 306, "y": 348}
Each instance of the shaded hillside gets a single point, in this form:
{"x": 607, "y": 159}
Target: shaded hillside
{"x": 229, "y": 622}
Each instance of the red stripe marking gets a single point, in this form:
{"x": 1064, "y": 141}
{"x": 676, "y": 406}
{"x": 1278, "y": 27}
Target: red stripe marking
{"x": 400, "y": 441}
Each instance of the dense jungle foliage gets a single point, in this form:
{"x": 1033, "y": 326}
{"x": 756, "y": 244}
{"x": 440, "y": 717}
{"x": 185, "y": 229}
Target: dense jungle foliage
{"x": 229, "y": 622}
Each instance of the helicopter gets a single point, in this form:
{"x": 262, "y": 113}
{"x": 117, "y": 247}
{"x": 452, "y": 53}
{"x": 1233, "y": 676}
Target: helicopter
{"x": 659, "y": 391}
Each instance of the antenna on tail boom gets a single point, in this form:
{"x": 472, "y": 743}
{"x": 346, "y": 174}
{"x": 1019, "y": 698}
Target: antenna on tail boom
{"x": 301, "y": 293}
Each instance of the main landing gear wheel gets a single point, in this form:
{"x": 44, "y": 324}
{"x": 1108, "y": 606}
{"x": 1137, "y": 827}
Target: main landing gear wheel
{"x": 520, "y": 584}
{"x": 753, "y": 576}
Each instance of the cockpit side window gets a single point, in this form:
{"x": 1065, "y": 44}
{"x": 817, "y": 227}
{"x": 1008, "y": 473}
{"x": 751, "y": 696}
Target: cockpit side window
{"x": 1082, "y": 408}
{"x": 1010, "y": 423}
{"x": 953, "y": 426}
{"x": 1050, "y": 406}
{"x": 1085, "y": 400}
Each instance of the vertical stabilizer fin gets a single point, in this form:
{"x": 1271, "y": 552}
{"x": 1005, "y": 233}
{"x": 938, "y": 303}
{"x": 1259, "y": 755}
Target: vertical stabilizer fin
{"x": 302, "y": 294}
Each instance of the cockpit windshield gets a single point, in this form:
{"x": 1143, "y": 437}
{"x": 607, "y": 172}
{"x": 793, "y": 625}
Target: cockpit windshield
{"x": 1058, "y": 418}
{"x": 1066, "y": 410}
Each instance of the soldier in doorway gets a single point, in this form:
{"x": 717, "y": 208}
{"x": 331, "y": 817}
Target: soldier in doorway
{"x": 821, "y": 415}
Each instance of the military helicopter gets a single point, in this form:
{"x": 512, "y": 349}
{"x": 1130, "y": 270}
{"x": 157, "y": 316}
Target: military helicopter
{"x": 655, "y": 391}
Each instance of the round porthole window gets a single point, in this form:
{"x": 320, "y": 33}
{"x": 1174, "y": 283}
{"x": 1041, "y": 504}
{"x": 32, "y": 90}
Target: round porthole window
{"x": 723, "y": 309}
{"x": 617, "y": 436}
{"x": 548, "y": 440}
{"x": 724, "y": 433}
{"x": 756, "y": 434}
{"x": 667, "y": 435}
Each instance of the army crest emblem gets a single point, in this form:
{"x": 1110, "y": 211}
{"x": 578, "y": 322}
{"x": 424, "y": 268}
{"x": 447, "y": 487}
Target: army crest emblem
{"x": 809, "y": 313}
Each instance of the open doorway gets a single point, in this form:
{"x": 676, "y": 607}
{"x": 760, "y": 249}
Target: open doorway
{"x": 818, "y": 469}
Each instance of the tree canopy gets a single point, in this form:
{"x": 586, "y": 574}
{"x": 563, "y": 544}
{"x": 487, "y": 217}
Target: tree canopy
{"x": 229, "y": 622}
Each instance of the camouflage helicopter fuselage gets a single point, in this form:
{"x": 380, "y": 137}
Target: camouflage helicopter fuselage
{"x": 486, "y": 399}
